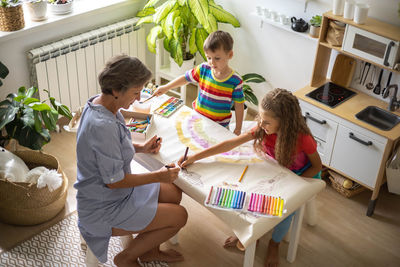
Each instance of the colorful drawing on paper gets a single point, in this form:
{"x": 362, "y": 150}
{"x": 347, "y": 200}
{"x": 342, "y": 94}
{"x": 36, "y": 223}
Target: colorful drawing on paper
{"x": 191, "y": 133}
{"x": 267, "y": 185}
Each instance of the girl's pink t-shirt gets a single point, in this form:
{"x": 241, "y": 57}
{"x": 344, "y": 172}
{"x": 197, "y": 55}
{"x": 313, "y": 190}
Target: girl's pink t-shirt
{"x": 305, "y": 145}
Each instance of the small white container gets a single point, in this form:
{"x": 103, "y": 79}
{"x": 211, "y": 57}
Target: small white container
{"x": 338, "y": 7}
{"x": 361, "y": 13}
{"x": 259, "y": 10}
{"x": 37, "y": 10}
{"x": 349, "y": 9}
{"x": 142, "y": 107}
{"x": 136, "y": 136}
{"x": 60, "y": 9}
{"x": 267, "y": 13}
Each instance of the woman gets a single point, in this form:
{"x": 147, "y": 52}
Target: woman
{"x": 111, "y": 200}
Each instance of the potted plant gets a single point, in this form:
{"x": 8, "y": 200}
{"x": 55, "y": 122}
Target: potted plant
{"x": 37, "y": 9}
{"x": 248, "y": 92}
{"x": 183, "y": 24}
{"x": 315, "y": 26}
{"x": 11, "y": 15}
{"x": 60, "y": 7}
{"x": 29, "y": 120}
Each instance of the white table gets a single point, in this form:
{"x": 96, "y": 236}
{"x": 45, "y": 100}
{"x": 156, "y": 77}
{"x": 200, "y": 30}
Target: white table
{"x": 264, "y": 176}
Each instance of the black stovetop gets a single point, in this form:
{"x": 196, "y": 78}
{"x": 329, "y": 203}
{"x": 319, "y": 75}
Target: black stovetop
{"x": 331, "y": 94}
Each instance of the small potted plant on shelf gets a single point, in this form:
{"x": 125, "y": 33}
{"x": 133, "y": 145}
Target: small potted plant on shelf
{"x": 60, "y": 7}
{"x": 11, "y": 15}
{"x": 183, "y": 25}
{"x": 315, "y": 26}
{"x": 37, "y": 9}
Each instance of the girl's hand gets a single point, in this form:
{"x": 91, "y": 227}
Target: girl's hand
{"x": 153, "y": 145}
{"x": 160, "y": 90}
{"x": 169, "y": 173}
{"x": 189, "y": 160}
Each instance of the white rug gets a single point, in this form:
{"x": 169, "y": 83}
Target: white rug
{"x": 59, "y": 246}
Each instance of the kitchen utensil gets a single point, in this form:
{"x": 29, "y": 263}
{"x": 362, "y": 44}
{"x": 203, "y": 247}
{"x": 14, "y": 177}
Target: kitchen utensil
{"x": 343, "y": 70}
{"x": 299, "y": 25}
{"x": 362, "y": 74}
{"x": 385, "y": 92}
{"x": 377, "y": 89}
{"x": 370, "y": 85}
{"x": 366, "y": 75}
{"x": 362, "y": 63}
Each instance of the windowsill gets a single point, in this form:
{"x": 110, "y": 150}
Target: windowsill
{"x": 79, "y": 9}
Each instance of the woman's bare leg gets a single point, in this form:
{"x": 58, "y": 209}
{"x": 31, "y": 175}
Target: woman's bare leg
{"x": 169, "y": 193}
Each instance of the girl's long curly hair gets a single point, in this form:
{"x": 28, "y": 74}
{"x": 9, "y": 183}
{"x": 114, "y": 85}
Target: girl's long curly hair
{"x": 285, "y": 106}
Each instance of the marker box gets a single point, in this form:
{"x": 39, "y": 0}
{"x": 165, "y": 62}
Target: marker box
{"x": 225, "y": 198}
{"x": 168, "y": 107}
{"x": 134, "y": 121}
{"x": 266, "y": 206}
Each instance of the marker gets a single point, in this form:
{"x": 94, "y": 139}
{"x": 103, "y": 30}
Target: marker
{"x": 231, "y": 198}
{"x": 241, "y": 177}
{"x": 233, "y": 203}
{"x": 281, "y": 208}
{"x": 225, "y": 196}
{"x": 218, "y": 196}
{"x": 209, "y": 195}
{"x": 242, "y": 200}
{"x": 265, "y": 205}
{"x": 275, "y": 204}
{"x": 239, "y": 197}
{"x": 262, "y": 204}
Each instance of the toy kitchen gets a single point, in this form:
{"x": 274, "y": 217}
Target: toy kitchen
{"x": 354, "y": 115}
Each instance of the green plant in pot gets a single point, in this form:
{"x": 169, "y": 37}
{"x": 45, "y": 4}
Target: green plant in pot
{"x": 183, "y": 24}
{"x": 247, "y": 90}
{"x": 315, "y": 26}
{"x": 29, "y": 120}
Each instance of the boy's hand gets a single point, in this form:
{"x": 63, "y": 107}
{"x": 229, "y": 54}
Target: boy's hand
{"x": 169, "y": 173}
{"x": 237, "y": 131}
{"x": 160, "y": 90}
{"x": 153, "y": 145}
{"x": 189, "y": 160}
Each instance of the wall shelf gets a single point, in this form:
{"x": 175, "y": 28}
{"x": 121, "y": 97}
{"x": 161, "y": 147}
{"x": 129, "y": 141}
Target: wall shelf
{"x": 285, "y": 27}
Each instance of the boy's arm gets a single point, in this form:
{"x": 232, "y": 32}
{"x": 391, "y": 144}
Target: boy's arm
{"x": 217, "y": 149}
{"x": 239, "y": 113}
{"x": 179, "y": 81}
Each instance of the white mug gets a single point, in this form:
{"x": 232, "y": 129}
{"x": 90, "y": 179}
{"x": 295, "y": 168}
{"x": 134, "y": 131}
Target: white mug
{"x": 338, "y": 7}
{"x": 349, "y": 9}
{"x": 267, "y": 13}
{"x": 259, "y": 10}
{"x": 283, "y": 19}
{"x": 274, "y": 15}
{"x": 361, "y": 13}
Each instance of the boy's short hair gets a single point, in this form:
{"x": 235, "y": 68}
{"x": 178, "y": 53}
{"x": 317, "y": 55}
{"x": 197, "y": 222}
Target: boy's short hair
{"x": 218, "y": 39}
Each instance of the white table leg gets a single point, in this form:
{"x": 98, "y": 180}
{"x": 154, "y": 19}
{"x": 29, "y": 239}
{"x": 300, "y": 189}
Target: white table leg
{"x": 249, "y": 255}
{"x": 295, "y": 234}
{"x": 311, "y": 211}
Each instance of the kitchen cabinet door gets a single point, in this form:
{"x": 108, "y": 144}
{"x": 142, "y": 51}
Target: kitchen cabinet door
{"x": 357, "y": 155}
{"x": 323, "y": 130}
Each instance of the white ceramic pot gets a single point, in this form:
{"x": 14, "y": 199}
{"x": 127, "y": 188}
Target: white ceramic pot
{"x": 176, "y": 70}
{"x": 314, "y": 31}
{"x": 37, "y": 10}
{"x": 61, "y": 9}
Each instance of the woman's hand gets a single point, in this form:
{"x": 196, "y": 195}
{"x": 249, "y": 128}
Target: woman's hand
{"x": 189, "y": 160}
{"x": 169, "y": 173}
{"x": 152, "y": 146}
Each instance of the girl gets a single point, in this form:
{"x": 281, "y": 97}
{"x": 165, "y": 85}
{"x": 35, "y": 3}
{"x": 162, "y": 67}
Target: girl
{"x": 281, "y": 134}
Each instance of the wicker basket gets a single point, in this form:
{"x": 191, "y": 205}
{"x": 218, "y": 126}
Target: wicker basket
{"x": 11, "y": 18}
{"x": 354, "y": 190}
{"x": 25, "y": 204}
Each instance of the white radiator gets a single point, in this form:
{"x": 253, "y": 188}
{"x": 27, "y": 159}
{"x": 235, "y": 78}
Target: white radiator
{"x": 68, "y": 68}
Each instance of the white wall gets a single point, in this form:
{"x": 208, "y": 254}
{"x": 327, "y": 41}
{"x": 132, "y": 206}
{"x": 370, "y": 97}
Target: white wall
{"x": 283, "y": 58}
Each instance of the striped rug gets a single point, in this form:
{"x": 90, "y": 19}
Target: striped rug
{"x": 59, "y": 246}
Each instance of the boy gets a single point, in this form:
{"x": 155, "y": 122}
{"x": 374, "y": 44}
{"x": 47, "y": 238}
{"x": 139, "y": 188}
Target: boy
{"x": 219, "y": 85}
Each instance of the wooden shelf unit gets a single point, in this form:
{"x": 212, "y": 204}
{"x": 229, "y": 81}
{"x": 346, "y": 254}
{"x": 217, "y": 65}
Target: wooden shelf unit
{"x": 324, "y": 49}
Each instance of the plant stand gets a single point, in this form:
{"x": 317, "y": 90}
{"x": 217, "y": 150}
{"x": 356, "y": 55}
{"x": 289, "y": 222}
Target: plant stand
{"x": 24, "y": 203}
{"x": 164, "y": 70}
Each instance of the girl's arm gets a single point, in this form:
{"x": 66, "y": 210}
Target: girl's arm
{"x": 316, "y": 165}
{"x": 178, "y": 82}
{"x": 217, "y": 149}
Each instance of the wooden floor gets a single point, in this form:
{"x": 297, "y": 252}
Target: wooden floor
{"x": 344, "y": 236}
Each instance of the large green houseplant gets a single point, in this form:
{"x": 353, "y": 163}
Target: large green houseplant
{"x": 183, "y": 24}
{"x": 247, "y": 90}
{"x": 29, "y": 120}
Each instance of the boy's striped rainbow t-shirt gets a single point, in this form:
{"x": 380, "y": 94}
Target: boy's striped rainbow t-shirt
{"x": 215, "y": 96}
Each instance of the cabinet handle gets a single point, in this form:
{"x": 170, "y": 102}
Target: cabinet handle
{"x": 387, "y": 53}
{"x": 308, "y": 116}
{"x": 365, "y": 143}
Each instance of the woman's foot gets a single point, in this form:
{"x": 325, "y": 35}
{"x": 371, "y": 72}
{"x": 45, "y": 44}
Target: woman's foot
{"x": 272, "y": 259}
{"x": 169, "y": 255}
{"x": 230, "y": 242}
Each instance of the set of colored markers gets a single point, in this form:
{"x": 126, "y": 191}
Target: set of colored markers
{"x": 138, "y": 126}
{"x": 169, "y": 106}
{"x": 225, "y": 198}
{"x": 266, "y": 205}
